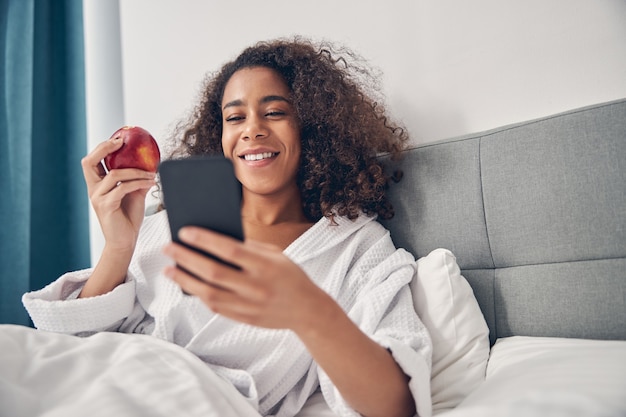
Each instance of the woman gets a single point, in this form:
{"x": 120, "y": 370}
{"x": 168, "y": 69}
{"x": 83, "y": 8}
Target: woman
{"x": 321, "y": 296}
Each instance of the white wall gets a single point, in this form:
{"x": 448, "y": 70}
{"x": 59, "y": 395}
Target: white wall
{"x": 449, "y": 67}
{"x": 485, "y": 63}
{"x": 104, "y": 85}
{"x": 169, "y": 45}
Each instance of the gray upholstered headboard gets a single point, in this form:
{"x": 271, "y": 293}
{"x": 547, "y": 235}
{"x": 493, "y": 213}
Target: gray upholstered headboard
{"x": 536, "y": 215}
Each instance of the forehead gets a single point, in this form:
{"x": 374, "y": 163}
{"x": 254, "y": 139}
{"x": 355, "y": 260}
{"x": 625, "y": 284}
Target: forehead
{"x": 255, "y": 81}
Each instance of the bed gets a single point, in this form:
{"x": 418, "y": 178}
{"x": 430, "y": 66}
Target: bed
{"x": 520, "y": 235}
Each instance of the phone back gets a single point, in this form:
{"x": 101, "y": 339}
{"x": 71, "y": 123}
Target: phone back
{"x": 202, "y": 191}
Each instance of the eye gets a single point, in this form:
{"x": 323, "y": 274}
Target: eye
{"x": 234, "y": 118}
{"x": 275, "y": 113}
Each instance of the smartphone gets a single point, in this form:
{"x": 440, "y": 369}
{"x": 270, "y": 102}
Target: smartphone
{"x": 204, "y": 192}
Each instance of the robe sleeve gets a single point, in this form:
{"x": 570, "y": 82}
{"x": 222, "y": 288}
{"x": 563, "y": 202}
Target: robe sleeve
{"x": 56, "y": 307}
{"x": 384, "y": 311}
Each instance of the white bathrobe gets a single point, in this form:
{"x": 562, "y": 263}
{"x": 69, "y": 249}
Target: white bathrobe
{"x": 354, "y": 261}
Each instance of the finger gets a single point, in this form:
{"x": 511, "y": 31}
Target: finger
{"x": 132, "y": 179}
{"x": 117, "y": 176}
{"x": 224, "y": 247}
{"x": 92, "y": 162}
{"x": 112, "y": 199}
{"x": 215, "y": 273}
{"x": 101, "y": 170}
{"x": 203, "y": 267}
{"x": 189, "y": 283}
{"x": 128, "y": 187}
{"x": 218, "y": 299}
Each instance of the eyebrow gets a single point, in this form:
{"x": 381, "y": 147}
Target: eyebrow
{"x": 266, "y": 99}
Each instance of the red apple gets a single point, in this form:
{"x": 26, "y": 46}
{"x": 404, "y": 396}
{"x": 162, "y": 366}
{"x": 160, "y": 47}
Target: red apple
{"x": 139, "y": 150}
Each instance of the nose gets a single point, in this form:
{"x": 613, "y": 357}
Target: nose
{"x": 254, "y": 128}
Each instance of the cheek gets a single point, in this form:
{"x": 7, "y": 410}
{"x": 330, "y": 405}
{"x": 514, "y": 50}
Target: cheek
{"x": 228, "y": 144}
{"x": 297, "y": 146}
{"x": 293, "y": 132}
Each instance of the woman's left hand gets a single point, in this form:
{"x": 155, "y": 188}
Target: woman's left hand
{"x": 268, "y": 290}
{"x": 271, "y": 291}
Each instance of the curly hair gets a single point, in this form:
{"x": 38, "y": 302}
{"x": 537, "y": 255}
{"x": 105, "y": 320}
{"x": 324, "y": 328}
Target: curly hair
{"x": 343, "y": 128}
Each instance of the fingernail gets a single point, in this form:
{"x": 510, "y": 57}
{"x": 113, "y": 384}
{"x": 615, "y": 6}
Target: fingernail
{"x": 186, "y": 234}
{"x": 168, "y": 250}
{"x": 168, "y": 271}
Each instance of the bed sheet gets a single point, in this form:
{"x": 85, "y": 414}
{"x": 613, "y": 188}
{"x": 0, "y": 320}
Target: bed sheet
{"x": 550, "y": 377}
{"x": 108, "y": 374}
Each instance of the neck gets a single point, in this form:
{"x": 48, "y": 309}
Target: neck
{"x": 272, "y": 210}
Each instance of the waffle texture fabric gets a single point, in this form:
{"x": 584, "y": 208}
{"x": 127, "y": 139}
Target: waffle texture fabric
{"x": 355, "y": 262}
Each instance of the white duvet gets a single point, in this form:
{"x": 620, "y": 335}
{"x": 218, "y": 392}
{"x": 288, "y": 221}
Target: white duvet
{"x": 108, "y": 374}
{"x": 131, "y": 375}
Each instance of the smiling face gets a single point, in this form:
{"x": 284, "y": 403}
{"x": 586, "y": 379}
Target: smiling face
{"x": 261, "y": 133}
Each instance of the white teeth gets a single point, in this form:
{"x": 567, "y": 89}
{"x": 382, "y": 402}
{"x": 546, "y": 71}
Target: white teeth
{"x": 258, "y": 156}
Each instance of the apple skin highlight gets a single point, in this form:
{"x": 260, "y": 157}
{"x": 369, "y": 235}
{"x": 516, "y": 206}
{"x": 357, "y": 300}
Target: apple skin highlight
{"x": 139, "y": 150}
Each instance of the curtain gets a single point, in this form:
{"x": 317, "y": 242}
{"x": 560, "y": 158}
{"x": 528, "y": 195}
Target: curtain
{"x": 44, "y": 212}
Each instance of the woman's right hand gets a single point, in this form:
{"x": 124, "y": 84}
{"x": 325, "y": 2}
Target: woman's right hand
{"x": 117, "y": 197}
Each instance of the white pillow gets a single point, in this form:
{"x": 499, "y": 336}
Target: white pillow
{"x": 448, "y": 308}
{"x": 551, "y": 377}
